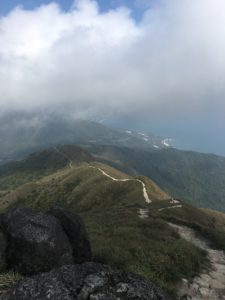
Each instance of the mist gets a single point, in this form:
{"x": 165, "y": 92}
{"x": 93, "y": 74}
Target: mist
{"x": 167, "y": 67}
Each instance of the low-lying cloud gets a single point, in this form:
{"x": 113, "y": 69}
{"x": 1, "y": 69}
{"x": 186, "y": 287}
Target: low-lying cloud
{"x": 92, "y": 63}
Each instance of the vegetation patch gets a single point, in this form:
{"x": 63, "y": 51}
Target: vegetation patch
{"x": 119, "y": 237}
{"x": 8, "y": 280}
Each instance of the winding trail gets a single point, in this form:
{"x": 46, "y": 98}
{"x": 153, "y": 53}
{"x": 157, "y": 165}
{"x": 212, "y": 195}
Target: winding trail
{"x": 145, "y": 193}
{"x": 143, "y": 213}
{"x": 170, "y": 207}
{"x": 210, "y": 284}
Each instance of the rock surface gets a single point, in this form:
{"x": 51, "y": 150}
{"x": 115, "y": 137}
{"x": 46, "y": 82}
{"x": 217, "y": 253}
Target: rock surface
{"x": 75, "y": 230}
{"x": 3, "y": 247}
{"x": 88, "y": 281}
{"x": 36, "y": 242}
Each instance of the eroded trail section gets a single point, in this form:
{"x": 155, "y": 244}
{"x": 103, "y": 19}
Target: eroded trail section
{"x": 145, "y": 193}
{"x": 170, "y": 207}
{"x": 143, "y": 213}
{"x": 210, "y": 284}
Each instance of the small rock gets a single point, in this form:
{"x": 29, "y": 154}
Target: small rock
{"x": 122, "y": 287}
{"x": 204, "y": 292}
{"x": 91, "y": 284}
{"x": 195, "y": 286}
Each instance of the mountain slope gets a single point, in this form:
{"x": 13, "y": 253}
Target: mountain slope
{"x": 21, "y": 137}
{"x": 121, "y": 235}
{"x": 39, "y": 164}
{"x": 87, "y": 185}
{"x": 111, "y": 213}
{"x": 195, "y": 177}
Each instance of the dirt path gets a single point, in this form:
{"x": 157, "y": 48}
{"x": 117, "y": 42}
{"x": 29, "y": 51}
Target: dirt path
{"x": 210, "y": 284}
{"x": 143, "y": 213}
{"x": 145, "y": 193}
{"x": 171, "y": 207}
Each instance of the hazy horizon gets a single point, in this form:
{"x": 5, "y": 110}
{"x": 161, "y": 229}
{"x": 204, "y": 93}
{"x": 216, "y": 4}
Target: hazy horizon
{"x": 150, "y": 65}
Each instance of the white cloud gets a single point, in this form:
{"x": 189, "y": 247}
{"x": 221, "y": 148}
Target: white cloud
{"x": 96, "y": 63}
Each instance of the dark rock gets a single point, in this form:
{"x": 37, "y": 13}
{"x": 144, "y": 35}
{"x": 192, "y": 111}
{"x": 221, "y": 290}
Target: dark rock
{"x": 3, "y": 247}
{"x": 36, "y": 242}
{"x": 88, "y": 281}
{"x": 75, "y": 230}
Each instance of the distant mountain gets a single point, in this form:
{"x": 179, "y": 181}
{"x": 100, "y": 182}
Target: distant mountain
{"x": 21, "y": 137}
{"x": 40, "y": 164}
{"x": 195, "y": 177}
{"x": 49, "y": 159}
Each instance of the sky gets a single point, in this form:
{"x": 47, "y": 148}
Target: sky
{"x": 153, "y": 65}
{"x": 137, "y": 7}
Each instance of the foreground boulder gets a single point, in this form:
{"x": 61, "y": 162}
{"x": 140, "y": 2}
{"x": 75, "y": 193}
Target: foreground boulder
{"x": 3, "y": 247}
{"x": 36, "y": 242}
{"x": 75, "y": 230}
{"x": 88, "y": 281}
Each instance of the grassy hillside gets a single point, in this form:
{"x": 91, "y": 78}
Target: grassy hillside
{"x": 69, "y": 178}
{"x": 83, "y": 188}
{"x": 195, "y": 177}
{"x": 111, "y": 212}
{"x": 40, "y": 164}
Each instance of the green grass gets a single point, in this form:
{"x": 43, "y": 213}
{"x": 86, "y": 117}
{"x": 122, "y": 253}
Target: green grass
{"x": 150, "y": 248}
{"x": 10, "y": 182}
{"x": 118, "y": 236}
{"x": 195, "y": 177}
{"x": 203, "y": 223}
{"x": 39, "y": 164}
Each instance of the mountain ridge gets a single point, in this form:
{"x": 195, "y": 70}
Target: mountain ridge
{"x": 19, "y": 140}
{"x": 195, "y": 177}
{"x": 125, "y": 230}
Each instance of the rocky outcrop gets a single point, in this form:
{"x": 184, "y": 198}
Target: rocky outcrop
{"x": 3, "y": 245}
{"x": 76, "y": 232}
{"x": 88, "y": 281}
{"x": 38, "y": 242}
{"x": 48, "y": 245}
